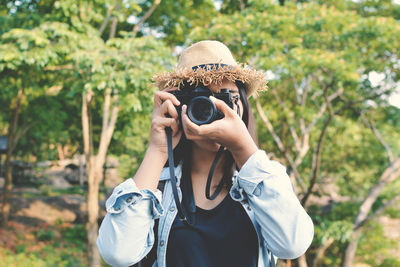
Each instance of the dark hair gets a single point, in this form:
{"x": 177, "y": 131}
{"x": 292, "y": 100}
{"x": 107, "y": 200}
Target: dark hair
{"x": 183, "y": 150}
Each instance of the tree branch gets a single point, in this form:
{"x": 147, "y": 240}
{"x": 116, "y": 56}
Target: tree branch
{"x": 303, "y": 150}
{"x": 306, "y": 89}
{"x": 302, "y": 103}
{"x": 316, "y": 163}
{"x": 20, "y": 131}
{"x": 106, "y": 110}
{"x": 377, "y": 212}
{"x": 297, "y": 89}
{"x": 109, "y": 123}
{"x": 241, "y": 5}
{"x": 389, "y": 175}
{"x": 305, "y": 136}
{"x": 372, "y": 126}
{"x": 321, "y": 251}
{"x": 105, "y": 22}
{"x": 291, "y": 116}
{"x": 280, "y": 145}
{"x": 114, "y": 115}
{"x": 145, "y": 17}
{"x": 114, "y": 23}
{"x": 322, "y": 109}
{"x": 86, "y": 125}
{"x": 113, "y": 28}
{"x": 316, "y": 160}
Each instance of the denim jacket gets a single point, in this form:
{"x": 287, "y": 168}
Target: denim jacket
{"x": 262, "y": 186}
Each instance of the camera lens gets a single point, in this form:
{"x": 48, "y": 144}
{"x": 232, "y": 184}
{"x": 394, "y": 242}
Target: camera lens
{"x": 201, "y": 110}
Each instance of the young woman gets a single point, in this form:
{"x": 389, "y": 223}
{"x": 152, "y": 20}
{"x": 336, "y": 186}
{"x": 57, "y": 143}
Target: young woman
{"x": 253, "y": 216}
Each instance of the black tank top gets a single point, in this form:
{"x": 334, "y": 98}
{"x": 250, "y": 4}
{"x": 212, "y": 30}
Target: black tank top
{"x": 222, "y": 236}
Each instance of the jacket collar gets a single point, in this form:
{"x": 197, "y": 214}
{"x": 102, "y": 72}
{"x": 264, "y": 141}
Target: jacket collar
{"x": 178, "y": 173}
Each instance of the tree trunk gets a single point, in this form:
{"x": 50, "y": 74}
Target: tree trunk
{"x": 60, "y": 152}
{"x": 5, "y": 209}
{"x": 388, "y": 176}
{"x": 302, "y": 261}
{"x": 81, "y": 169}
{"x": 145, "y": 16}
{"x": 95, "y": 163}
{"x": 321, "y": 251}
{"x": 93, "y": 191}
{"x": 94, "y": 178}
{"x": 350, "y": 252}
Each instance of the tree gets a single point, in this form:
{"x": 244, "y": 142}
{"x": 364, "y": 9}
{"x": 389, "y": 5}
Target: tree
{"x": 117, "y": 73}
{"x": 173, "y": 20}
{"x": 391, "y": 172}
{"x": 318, "y": 55}
{"x": 318, "y": 59}
{"x": 114, "y": 74}
{"x": 24, "y": 55}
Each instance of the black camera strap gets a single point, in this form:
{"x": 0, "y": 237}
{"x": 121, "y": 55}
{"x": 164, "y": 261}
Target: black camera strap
{"x": 181, "y": 213}
{"x": 214, "y": 164}
{"x": 173, "y": 178}
{"x": 210, "y": 174}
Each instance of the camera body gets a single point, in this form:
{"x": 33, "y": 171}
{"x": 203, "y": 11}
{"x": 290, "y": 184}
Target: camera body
{"x": 200, "y": 108}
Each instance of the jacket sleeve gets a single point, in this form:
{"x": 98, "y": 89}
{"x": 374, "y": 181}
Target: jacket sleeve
{"x": 126, "y": 234}
{"x": 286, "y": 228}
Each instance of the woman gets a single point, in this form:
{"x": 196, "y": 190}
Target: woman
{"x": 253, "y": 216}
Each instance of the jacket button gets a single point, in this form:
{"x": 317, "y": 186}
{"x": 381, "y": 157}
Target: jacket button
{"x": 172, "y": 209}
{"x": 117, "y": 208}
{"x": 129, "y": 199}
{"x": 248, "y": 208}
{"x": 162, "y": 243}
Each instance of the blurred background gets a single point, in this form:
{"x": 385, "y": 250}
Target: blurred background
{"x": 76, "y": 102}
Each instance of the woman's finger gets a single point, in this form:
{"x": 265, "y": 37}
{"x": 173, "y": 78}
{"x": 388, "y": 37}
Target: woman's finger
{"x": 161, "y": 96}
{"x": 188, "y": 125}
{"x": 161, "y": 123}
{"x": 185, "y": 121}
{"x": 168, "y": 108}
{"x": 174, "y": 125}
{"x": 222, "y": 106}
{"x": 191, "y": 126}
{"x": 168, "y": 89}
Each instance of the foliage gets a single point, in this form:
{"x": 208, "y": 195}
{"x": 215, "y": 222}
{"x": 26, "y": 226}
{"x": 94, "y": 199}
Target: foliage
{"x": 173, "y": 20}
{"x": 73, "y": 61}
{"x": 336, "y": 50}
{"x": 390, "y": 262}
{"x": 315, "y": 50}
{"x": 55, "y": 51}
{"x": 374, "y": 247}
{"x": 56, "y": 245}
{"x": 27, "y": 56}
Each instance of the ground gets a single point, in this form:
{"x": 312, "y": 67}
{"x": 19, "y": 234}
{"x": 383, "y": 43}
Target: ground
{"x": 46, "y": 226}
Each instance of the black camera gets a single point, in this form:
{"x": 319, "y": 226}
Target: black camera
{"x": 200, "y": 108}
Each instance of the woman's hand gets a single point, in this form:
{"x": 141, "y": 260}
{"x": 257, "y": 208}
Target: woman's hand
{"x": 231, "y": 132}
{"x": 164, "y": 115}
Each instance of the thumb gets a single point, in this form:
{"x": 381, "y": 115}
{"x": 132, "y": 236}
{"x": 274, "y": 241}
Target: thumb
{"x": 222, "y": 106}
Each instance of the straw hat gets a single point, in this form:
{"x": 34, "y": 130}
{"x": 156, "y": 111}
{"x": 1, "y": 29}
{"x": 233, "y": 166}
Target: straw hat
{"x": 210, "y": 62}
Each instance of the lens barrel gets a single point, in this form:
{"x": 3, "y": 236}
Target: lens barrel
{"x": 201, "y": 110}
